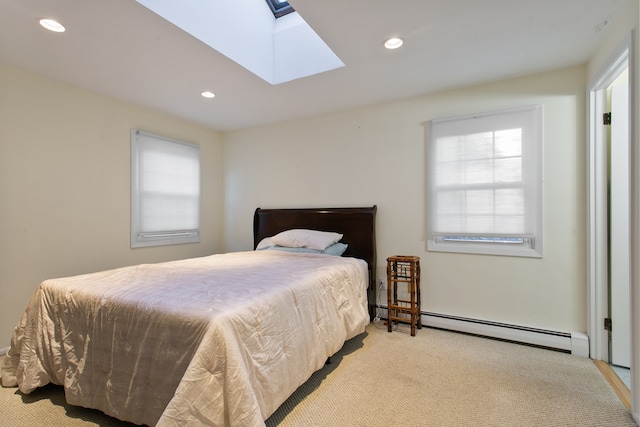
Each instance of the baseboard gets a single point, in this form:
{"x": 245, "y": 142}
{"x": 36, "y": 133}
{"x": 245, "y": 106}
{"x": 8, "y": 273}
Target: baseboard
{"x": 579, "y": 344}
{"x": 569, "y": 342}
{"x": 3, "y": 351}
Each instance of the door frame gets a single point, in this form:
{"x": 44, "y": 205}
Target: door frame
{"x": 597, "y": 263}
{"x": 620, "y": 223}
{"x": 597, "y": 215}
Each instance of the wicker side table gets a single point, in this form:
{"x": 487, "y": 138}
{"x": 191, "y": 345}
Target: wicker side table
{"x": 403, "y": 269}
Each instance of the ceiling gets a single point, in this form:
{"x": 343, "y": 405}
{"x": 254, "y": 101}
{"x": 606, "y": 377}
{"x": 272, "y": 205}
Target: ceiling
{"x": 121, "y": 49}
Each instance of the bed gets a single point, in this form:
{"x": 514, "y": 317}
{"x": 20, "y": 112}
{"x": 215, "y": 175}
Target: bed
{"x": 217, "y": 340}
{"x": 358, "y": 225}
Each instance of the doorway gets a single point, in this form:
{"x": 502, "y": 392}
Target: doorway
{"x": 619, "y": 223}
{"x": 609, "y": 241}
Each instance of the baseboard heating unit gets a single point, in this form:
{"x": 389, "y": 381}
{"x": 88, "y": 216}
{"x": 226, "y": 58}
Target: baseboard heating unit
{"x": 569, "y": 342}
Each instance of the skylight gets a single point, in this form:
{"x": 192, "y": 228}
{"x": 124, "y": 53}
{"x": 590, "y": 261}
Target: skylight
{"x": 280, "y": 7}
{"x": 276, "y": 50}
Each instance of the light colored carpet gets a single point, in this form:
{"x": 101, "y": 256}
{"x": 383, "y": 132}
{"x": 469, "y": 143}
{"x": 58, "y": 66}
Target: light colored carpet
{"x": 436, "y": 378}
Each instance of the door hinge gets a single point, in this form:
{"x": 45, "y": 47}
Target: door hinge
{"x": 607, "y": 324}
{"x": 606, "y": 119}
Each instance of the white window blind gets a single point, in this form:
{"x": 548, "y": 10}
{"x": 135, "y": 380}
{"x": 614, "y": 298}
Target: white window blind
{"x": 485, "y": 183}
{"x": 165, "y": 191}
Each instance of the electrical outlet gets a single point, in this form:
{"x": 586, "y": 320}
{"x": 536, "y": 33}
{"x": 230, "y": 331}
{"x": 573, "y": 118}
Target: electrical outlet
{"x": 381, "y": 284}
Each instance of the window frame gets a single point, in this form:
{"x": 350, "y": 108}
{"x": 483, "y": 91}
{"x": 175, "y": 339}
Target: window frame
{"x": 530, "y": 244}
{"x": 163, "y": 237}
{"x": 280, "y": 8}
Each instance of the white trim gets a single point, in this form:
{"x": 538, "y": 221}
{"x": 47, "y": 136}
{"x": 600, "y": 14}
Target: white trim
{"x": 634, "y": 155}
{"x": 505, "y": 332}
{"x": 4, "y": 351}
{"x": 504, "y": 249}
{"x": 597, "y": 295}
{"x": 579, "y": 344}
{"x": 560, "y": 341}
{"x": 576, "y": 343}
{"x": 597, "y": 286}
{"x": 597, "y": 235}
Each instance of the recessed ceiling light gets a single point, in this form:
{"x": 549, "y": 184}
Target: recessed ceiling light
{"x": 393, "y": 43}
{"x": 208, "y": 94}
{"x": 52, "y": 25}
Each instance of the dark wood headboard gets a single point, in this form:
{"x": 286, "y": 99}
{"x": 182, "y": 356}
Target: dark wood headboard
{"x": 358, "y": 226}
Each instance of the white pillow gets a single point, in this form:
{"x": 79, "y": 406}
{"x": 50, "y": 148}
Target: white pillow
{"x": 265, "y": 244}
{"x": 301, "y": 238}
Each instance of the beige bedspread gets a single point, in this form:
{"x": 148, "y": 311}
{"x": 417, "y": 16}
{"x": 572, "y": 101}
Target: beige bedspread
{"x": 218, "y": 340}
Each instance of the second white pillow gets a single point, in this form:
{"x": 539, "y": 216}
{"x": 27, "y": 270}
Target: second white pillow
{"x": 303, "y": 238}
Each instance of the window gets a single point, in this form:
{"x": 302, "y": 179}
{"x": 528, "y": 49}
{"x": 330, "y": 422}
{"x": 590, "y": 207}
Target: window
{"x": 280, "y": 7}
{"x": 165, "y": 191}
{"x": 484, "y": 183}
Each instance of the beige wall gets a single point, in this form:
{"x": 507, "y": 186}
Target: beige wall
{"x": 376, "y": 155}
{"x": 64, "y": 186}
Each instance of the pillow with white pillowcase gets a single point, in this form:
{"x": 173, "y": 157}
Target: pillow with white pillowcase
{"x": 303, "y": 238}
{"x": 337, "y": 249}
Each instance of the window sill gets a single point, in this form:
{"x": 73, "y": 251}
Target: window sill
{"x": 484, "y": 249}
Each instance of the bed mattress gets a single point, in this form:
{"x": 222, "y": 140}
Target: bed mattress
{"x": 217, "y": 340}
